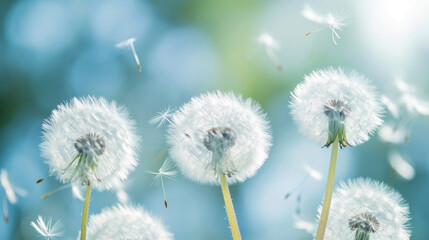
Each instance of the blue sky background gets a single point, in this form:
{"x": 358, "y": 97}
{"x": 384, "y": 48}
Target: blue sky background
{"x": 51, "y": 51}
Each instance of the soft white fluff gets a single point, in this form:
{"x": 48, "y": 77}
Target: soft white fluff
{"x": 367, "y": 196}
{"x": 190, "y": 126}
{"x": 78, "y": 117}
{"x": 322, "y": 86}
{"x": 48, "y": 229}
{"x": 333, "y": 20}
{"x": 126, "y": 223}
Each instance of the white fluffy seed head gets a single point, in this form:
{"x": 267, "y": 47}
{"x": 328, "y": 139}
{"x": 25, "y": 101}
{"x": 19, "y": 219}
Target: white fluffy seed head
{"x": 90, "y": 140}
{"x": 219, "y": 133}
{"x": 359, "y": 112}
{"x": 370, "y": 208}
{"x": 126, "y": 223}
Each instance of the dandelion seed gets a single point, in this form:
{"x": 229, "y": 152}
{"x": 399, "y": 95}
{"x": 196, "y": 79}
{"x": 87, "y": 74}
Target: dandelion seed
{"x": 415, "y": 105}
{"x": 401, "y": 166}
{"x": 271, "y": 46}
{"x": 77, "y": 192}
{"x": 46, "y": 195}
{"x": 48, "y": 230}
{"x": 162, "y": 117}
{"x": 333, "y": 20}
{"x": 403, "y": 86}
{"x": 313, "y": 173}
{"x": 122, "y": 196}
{"x": 310, "y": 172}
{"x": 41, "y": 179}
{"x": 307, "y": 226}
{"x": 409, "y": 98}
{"x": 130, "y": 42}
{"x": 167, "y": 172}
{"x": 7, "y": 186}
{"x": 330, "y": 104}
{"x": 364, "y": 209}
{"x": 126, "y": 222}
{"x": 10, "y": 191}
{"x": 90, "y": 140}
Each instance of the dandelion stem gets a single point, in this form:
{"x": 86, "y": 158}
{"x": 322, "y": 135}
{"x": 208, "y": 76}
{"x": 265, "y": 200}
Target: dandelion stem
{"x": 229, "y": 208}
{"x": 328, "y": 193}
{"x": 85, "y": 212}
{"x": 361, "y": 235}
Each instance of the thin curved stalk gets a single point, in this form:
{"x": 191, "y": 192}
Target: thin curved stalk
{"x": 85, "y": 212}
{"x": 328, "y": 193}
{"x": 229, "y": 208}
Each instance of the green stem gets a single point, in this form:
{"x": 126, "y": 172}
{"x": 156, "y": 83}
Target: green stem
{"x": 361, "y": 235}
{"x": 328, "y": 193}
{"x": 229, "y": 208}
{"x": 85, "y": 212}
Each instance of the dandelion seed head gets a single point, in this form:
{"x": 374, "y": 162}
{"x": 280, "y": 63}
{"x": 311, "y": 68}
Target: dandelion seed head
{"x": 126, "y": 223}
{"x": 48, "y": 229}
{"x": 219, "y": 133}
{"x": 330, "y": 103}
{"x": 90, "y": 140}
{"x": 364, "y": 207}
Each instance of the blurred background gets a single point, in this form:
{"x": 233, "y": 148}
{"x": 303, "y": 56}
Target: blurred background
{"x": 51, "y": 51}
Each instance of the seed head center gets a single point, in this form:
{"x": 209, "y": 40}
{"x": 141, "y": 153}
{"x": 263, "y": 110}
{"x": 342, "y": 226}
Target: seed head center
{"x": 364, "y": 222}
{"x": 91, "y": 144}
{"x": 220, "y": 139}
{"x": 336, "y": 109}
